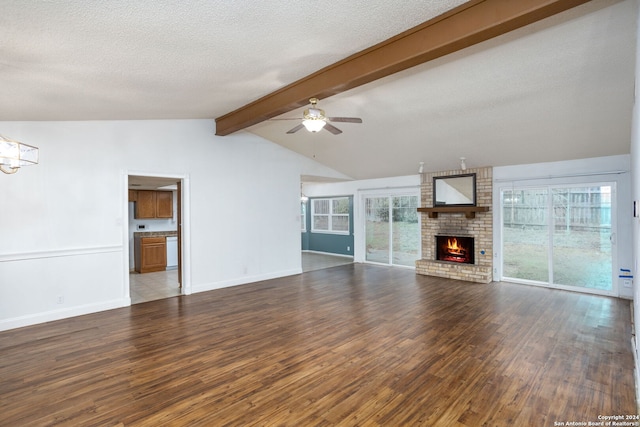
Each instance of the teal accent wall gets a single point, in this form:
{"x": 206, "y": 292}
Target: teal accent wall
{"x": 325, "y": 242}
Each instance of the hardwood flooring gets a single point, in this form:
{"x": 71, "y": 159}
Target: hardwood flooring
{"x": 350, "y": 345}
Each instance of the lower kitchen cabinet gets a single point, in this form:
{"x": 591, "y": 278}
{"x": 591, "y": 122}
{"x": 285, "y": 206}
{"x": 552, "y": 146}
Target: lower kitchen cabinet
{"x": 150, "y": 254}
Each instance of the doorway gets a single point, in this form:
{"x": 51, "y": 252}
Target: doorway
{"x": 161, "y": 227}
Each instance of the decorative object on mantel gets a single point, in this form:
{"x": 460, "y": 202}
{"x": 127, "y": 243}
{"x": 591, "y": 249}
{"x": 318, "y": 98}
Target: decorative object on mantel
{"x": 421, "y": 168}
{"x": 463, "y": 165}
{"x": 14, "y": 154}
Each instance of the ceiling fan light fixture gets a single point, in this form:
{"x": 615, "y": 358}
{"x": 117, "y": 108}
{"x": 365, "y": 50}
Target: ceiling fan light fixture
{"x": 314, "y": 119}
{"x": 314, "y": 125}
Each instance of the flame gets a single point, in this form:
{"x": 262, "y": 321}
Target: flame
{"x": 452, "y": 246}
{"x": 452, "y": 249}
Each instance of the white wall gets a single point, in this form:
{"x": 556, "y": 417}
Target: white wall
{"x": 635, "y": 195}
{"x": 65, "y": 221}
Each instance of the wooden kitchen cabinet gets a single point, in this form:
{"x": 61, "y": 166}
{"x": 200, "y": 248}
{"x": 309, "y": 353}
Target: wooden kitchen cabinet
{"x": 164, "y": 204}
{"x": 150, "y": 254}
{"x": 153, "y": 204}
{"x": 145, "y": 204}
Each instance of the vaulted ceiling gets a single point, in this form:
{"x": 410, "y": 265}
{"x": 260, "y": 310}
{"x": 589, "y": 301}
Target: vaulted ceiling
{"x": 557, "y": 89}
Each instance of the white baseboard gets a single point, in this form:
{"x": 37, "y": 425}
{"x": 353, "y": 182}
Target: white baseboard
{"x": 34, "y": 319}
{"x": 243, "y": 280}
{"x": 328, "y": 253}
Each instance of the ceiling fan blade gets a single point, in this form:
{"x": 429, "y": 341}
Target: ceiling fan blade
{"x": 334, "y": 130}
{"x": 345, "y": 119}
{"x": 296, "y": 129}
{"x": 285, "y": 118}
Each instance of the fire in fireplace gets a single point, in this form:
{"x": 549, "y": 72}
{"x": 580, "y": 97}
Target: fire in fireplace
{"x": 455, "y": 249}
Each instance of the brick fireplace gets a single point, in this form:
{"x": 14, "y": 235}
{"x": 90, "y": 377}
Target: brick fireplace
{"x": 477, "y": 226}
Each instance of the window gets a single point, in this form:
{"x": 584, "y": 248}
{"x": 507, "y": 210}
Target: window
{"x": 560, "y": 235}
{"x": 330, "y": 215}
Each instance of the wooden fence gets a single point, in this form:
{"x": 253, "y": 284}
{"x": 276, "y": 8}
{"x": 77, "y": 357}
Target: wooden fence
{"x": 571, "y": 209}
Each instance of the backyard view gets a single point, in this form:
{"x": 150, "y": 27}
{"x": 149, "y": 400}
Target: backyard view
{"x": 392, "y": 230}
{"x": 570, "y": 247}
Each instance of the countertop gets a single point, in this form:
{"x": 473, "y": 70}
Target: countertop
{"x": 155, "y": 233}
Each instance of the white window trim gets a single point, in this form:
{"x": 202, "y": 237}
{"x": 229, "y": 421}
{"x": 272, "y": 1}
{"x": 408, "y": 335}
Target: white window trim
{"x": 303, "y": 217}
{"x": 331, "y": 215}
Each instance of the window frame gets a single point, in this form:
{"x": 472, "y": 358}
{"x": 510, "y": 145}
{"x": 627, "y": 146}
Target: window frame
{"x": 330, "y": 215}
{"x": 594, "y": 180}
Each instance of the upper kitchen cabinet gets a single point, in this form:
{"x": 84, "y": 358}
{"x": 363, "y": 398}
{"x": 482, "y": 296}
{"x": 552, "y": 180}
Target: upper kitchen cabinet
{"x": 164, "y": 204}
{"x": 153, "y": 204}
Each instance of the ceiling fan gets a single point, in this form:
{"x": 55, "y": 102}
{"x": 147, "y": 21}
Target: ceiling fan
{"x": 314, "y": 120}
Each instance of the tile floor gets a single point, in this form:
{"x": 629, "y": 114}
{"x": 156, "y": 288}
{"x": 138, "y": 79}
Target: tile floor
{"x": 153, "y": 286}
{"x": 164, "y": 284}
{"x": 314, "y": 261}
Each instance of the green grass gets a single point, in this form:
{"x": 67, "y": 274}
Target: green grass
{"x": 406, "y": 242}
{"x": 581, "y": 258}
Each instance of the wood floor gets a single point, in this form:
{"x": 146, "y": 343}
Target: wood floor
{"x": 350, "y": 345}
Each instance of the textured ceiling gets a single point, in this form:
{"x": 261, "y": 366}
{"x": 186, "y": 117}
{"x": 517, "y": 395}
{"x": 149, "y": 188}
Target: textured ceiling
{"x": 558, "y": 89}
{"x": 150, "y": 59}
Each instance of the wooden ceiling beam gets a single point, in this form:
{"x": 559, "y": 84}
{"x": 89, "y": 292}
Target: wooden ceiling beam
{"x": 471, "y": 23}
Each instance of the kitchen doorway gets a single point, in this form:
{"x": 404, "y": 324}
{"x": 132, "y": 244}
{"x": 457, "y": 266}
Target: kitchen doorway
{"x": 155, "y": 212}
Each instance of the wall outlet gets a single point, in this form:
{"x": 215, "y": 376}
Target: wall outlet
{"x": 348, "y": 248}
{"x": 60, "y": 299}
{"x": 627, "y": 283}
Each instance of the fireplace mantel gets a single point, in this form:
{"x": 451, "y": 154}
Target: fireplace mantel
{"x": 468, "y": 211}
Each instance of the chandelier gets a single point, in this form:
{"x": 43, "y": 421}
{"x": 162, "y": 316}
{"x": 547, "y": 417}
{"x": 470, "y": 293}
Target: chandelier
{"x": 14, "y": 154}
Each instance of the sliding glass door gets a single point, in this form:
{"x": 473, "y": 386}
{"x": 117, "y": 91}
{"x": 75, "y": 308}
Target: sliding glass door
{"x": 377, "y": 229}
{"x": 559, "y": 235}
{"x": 582, "y": 237}
{"x": 392, "y": 230}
